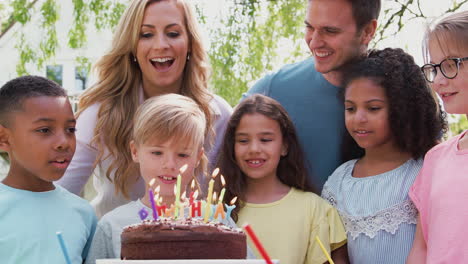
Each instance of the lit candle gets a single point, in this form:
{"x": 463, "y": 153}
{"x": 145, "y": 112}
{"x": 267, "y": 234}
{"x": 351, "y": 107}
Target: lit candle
{"x": 194, "y": 205}
{"x": 192, "y": 186}
{"x": 161, "y": 207}
{"x": 151, "y": 182}
{"x": 157, "y": 199}
{"x": 231, "y": 207}
{"x": 151, "y": 198}
{"x": 213, "y": 210}
{"x": 179, "y": 182}
{"x": 219, "y": 211}
{"x": 221, "y": 195}
{"x": 156, "y": 190}
{"x": 182, "y": 205}
{"x": 210, "y": 191}
{"x": 143, "y": 214}
{"x": 193, "y": 197}
{"x": 153, "y": 205}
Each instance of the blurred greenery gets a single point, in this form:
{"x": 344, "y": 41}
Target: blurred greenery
{"x": 245, "y": 41}
{"x": 460, "y": 126}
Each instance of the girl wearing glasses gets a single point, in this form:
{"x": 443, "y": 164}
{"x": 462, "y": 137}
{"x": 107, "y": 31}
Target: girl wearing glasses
{"x": 440, "y": 190}
{"x": 392, "y": 115}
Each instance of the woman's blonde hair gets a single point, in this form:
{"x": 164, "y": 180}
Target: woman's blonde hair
{"x": 170, "y": 117}
{"x": 452, "y": 28}
{"x": 117, "y": 89}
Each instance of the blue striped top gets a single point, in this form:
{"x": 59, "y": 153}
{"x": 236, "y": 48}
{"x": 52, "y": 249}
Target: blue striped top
{"x": 379, "y": 217}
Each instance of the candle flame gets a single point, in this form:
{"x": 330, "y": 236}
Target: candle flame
{"x": 233, "y": 201}
{"x": 156, "y": 197}
{"x": 192, "y": 185}
{"x": 223, "y": 182}
{"x": 152, "y": 182}
{"x": 183, "y": 168}
{"x": 195, "y": 195}
{"x": 215, "y": 173}
{"x": 157, "y": 189}
{"x": 160, "y": 200}
{"x": 175, "y": 190}
{"x": 214, "y": 197}
{"x": 184, "y": 196}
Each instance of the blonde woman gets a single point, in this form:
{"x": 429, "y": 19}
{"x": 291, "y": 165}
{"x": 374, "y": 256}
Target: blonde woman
{"x": 156, "y": 50}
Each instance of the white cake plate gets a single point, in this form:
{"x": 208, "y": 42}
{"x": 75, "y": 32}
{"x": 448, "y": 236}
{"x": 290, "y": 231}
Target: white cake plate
{"x": 188, "y": 261}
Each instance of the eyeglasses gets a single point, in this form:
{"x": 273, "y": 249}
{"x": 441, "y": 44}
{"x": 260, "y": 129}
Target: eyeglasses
{"x": 448, "y": 67}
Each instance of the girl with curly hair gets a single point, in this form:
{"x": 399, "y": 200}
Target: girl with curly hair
{"x": 394, "y": 118}
{"x": 439, "y": 191}
{"x": 156, "y": 50}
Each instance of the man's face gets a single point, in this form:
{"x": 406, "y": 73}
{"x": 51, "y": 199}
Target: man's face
{"x": 331, "y": 34}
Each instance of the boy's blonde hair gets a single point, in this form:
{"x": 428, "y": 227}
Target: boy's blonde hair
{"x": 119, "y": 80}
{"x": 452, "y": 28}
{"x": 170, "y": 117}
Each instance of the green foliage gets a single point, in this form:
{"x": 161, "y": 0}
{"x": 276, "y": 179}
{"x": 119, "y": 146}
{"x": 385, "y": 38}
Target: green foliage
{"x": 106, "y": 13}
{"x": 21, "y": 11}
{"x": 246, "y": 43}
{"x": 5, "y": 16}
{"x": 77, "y": 35}
{"x": 84, "y": 63}
{"x": 397, "y": 12}
{"x": 5, "y": 24}
{"x": 27, "y": 55}
{"x": 460, "y": 126}
{"x": 47, "y": 46}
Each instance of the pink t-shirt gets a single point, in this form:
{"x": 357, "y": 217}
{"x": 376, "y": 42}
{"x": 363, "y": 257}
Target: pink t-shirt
{"x": 440, "y": 193}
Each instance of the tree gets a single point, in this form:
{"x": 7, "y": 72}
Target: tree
{"x": 460, "y": 125}
{"x": 244, "y": 45}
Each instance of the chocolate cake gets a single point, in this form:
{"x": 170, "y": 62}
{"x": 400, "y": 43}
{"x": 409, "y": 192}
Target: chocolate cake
{"x": 182, "y": 239}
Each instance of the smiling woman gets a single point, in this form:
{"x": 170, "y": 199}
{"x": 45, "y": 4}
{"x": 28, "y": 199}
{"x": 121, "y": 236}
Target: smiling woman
{"x": 156, "y": 50}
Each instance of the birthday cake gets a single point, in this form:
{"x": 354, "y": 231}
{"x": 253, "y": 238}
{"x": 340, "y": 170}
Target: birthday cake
{"x": 182, "y": 239}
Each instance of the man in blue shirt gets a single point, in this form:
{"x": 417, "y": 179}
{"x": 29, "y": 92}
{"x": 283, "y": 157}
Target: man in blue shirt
{"x": 337, "y": 32}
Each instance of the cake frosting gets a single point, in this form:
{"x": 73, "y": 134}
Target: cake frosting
{"x": 182, "y": 239}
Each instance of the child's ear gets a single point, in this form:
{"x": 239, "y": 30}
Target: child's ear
{"x": 134, "y": 151}
{"x": 200, "y": 155}
{"x": 284, "y": 150}
{"x": 4, "y": 138}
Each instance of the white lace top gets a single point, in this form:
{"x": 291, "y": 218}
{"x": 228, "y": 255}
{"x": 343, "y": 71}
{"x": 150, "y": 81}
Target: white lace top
{"x": 379, "y": 217}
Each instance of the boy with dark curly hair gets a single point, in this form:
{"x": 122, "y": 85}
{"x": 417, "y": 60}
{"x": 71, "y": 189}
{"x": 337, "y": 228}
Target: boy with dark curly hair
{"x": 37, "y": 130}
{"x": 394, "y": 118}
